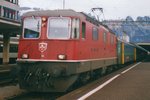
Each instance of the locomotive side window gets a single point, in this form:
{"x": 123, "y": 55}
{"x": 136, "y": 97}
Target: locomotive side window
{"x": 75, "y": 28}
{"x": 83, "y": 30}
{"x": 112, "y": 39}
{"x": 105, "y": 37}
{"x": 95, "y": 33}
{"x": 59, "y": 28}
{"x": 32, "y": 27}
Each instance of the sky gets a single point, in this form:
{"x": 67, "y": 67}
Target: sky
{"x": 113, "y": 9}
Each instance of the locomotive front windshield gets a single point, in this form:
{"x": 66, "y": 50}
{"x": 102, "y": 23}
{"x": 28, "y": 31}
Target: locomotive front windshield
{"x": 59, "y": 28}
{"x": 32, "y": 27}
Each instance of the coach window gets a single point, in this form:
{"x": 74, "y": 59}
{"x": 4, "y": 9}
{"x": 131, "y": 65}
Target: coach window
{"x": 105, "y": 37}
{"x": 83, "y": 30}
{"x": 75, "y": 28}
{"x": 32, "y": 27}
{"x": 95, "y": 33}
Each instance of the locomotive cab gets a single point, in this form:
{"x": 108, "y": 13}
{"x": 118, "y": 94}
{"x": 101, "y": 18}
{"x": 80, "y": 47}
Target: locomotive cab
{"x": 42, "y": 34}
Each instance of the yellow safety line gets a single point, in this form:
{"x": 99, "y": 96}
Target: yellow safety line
{"x": 134, "y": 54}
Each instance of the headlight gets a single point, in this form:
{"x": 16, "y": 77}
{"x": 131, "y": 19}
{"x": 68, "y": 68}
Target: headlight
{"x": 62, "y": 57}
{"x": 44, "y": 19}
{"x": 25, "y": 56}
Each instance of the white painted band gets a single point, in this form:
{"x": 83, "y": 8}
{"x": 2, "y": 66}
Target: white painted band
{"x": 47, "y": 60}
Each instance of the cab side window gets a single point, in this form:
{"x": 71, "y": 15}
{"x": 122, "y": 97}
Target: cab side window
{"x": 75, "y": 28}
{"x": 83, "y": 30}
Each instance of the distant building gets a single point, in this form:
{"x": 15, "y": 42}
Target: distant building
{"x": 9, "y": 9}
{"x": 9, "y": 25}
{"x": 9, "y": 17}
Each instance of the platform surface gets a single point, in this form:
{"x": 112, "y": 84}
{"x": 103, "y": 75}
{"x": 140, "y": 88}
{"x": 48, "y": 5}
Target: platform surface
{"x": 132, "y": 83}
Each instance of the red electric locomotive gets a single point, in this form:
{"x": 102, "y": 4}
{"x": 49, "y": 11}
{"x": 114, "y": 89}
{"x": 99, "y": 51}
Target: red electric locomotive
{"x": 60, "y": 47}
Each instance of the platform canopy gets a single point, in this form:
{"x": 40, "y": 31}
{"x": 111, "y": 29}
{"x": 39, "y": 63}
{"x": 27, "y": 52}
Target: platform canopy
{"x": 145, "y": 45}
{"x": 7, "y": 26}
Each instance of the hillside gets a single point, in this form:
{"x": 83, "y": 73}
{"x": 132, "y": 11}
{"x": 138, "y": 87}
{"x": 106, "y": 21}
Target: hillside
{"x": 138, "y": 30}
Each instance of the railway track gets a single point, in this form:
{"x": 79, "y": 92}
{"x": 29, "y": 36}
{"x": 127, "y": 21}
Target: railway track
{"x": 36, "y": 96}
{"x": 6, "y": 78}
{"x": 7, "y": 74}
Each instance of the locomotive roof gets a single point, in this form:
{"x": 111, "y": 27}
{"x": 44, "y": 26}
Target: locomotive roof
{"x": 68, "y": 12}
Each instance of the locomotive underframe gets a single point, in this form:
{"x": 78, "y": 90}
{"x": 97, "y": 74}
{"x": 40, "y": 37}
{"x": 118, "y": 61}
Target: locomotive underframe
{"x": 56, "y": 76}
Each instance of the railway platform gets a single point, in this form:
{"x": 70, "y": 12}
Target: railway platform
{"x": 131, "y": 83}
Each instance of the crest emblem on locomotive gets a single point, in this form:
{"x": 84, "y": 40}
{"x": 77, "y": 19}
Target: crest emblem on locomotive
{"x": 42, "y": 46}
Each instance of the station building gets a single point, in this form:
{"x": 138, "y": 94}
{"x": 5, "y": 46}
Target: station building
{"x": 9, "y": 24}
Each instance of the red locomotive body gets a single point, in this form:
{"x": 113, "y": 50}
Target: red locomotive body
{"x": 60, "y": 47}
